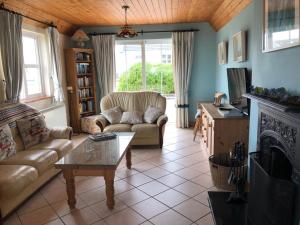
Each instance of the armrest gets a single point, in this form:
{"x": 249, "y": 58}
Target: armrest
{"x": 61, "y": 133}
{"x": 162, "y": 120}
{"x": 101, "y": 122}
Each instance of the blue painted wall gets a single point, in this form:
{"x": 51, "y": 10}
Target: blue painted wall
{"x": 202, "y": 84}
{"x": 275, "y": 69}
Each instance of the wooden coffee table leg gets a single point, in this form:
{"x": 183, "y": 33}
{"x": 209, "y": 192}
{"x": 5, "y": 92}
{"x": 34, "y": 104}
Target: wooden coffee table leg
{"x": 109, "y": 177}
{"x": 128, "y": 158}
{"x": 70, "y": 184}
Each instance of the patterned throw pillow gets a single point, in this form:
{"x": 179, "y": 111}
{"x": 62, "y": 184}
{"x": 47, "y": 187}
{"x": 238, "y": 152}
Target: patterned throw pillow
{"x": 7, "y": 143}
{"x": 152, "y": 113}
{"x": 134, "y": 117}
{"x": 33, "y": 130}
{"x": 113, "y": 115}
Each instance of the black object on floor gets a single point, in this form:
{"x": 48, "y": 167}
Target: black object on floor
{"x": 225, "y": 213}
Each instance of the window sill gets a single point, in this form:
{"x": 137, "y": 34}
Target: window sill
{"x": 32, "y": 100}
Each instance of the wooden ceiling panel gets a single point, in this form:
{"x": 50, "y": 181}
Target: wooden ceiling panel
{"x": 75, "y": 13}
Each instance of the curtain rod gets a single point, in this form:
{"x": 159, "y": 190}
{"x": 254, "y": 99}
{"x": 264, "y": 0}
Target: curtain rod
{"x": 146, "y": 32}
{"x": 2, "y": 7}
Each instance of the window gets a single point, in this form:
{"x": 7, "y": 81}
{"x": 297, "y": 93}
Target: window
{"x": 144, "y": 65}
{"x": 35, "y": 61}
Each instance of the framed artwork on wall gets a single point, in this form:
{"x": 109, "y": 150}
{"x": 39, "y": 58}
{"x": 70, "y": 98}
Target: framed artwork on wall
{"x": 222, "y": 52}
{"x": 239, "y": 46}
{"x": 280, "y": 24}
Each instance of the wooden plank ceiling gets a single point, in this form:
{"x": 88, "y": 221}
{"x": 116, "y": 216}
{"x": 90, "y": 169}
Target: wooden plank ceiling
{"x": 69, "y": 14}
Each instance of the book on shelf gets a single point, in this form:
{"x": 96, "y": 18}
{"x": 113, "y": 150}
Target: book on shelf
{"x": 81, "y": 56}
{"x": 85, "y": 93}
{"x": 82, "y": 68}
{"x": 87, "y": 106}
{"x": 84, "y": 81}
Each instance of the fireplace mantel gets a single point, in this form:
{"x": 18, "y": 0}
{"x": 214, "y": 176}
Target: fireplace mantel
{"x": 270, "y": 103}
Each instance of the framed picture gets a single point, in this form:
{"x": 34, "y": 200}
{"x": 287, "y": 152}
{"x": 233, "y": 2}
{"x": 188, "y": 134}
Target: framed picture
{"x": 239, "y": 46}
{"x": 222, "y": 52}
{"x": 281, "y": 24}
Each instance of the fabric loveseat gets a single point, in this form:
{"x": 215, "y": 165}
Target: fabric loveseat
{"x": 28, "y": 169}
{"x": 146, "y": 134}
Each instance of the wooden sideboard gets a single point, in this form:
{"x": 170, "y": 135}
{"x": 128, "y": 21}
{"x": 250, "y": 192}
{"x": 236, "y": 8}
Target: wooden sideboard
{"x": 219, "y": 133}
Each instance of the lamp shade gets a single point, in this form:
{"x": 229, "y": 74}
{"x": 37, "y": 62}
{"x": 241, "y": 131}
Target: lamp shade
{"x": 80, "y": 35}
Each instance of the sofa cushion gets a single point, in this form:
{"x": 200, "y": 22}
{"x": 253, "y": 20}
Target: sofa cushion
{"x": 118, "y": 128}
{"x": 7, "y": 143}
{"x": 145, "y": 130}
{"x": 134, "y": 117}
{"x": 33, "y": 130}
{"x": 15, "y": 178}
{"x": 39, "y": 159}
{"x": 61, "y": 146}
{"x": 152, "y": 113}
{"x": 113, "y": 115}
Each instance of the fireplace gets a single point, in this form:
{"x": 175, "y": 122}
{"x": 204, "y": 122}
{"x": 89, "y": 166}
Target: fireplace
{"x": 275, "y": 169}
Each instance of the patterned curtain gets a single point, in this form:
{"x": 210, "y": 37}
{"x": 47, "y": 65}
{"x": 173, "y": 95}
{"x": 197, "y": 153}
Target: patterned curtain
{"x": 183, "y": 47}
{"x": 11, "y": 50}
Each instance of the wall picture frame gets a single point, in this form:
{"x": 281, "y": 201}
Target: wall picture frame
{"x": 222, "y": 52}
{"x": 280, "y": 24}
{"x": 239, "y": 46}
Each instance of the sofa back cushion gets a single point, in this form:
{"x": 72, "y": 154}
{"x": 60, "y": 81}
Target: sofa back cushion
{"x": 7, "y": 143}
{"x": 133, "y": 101}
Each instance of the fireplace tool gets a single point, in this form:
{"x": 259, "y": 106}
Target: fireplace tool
{"x": 237, "y": 175}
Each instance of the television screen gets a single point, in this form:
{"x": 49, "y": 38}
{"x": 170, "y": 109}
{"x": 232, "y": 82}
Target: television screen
{"x": 238, "y": 84}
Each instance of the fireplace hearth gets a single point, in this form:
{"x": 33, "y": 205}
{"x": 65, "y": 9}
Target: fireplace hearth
{"x": 274, "y": 196}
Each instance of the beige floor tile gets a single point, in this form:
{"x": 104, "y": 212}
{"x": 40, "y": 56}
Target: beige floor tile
{"x": 149, "y": 208}
{"x": 132, "y": 197}
{"x": 190, "y": 189}
{"x": 153, "y": 188}
{"x": 55, "y": 222}
{"x": 203, "y": 198}
{"x": 172, "y": 166}
{"x": 62, "y": 208}
{"x": 172, "y": 156}
{"x": 138, "y": 179}
{"x": 124, "y": 172}
{"x": 84, "y": 216}
{"x": 188, "y": 173}
{"x": 55, "y": 194}
{"x": 12, "y": 220}
{"x": 192, "y": 209}
{"x": 37, "y": 201}
{"x": 125, "y": 217}
{"x": 122, "y": 186}
{"x": 103, "y": 211}
{"x": 101, "y": 222}
{"x": 89, "y": 184}
{"x": 187, "y": 161}
{"x": 39, "y": 216}
{"x": 158, "y": 160}
{"x": 171, "y": 180}
{"x": 170, "y": 217}
{"x": 156, "y": 173}
{"x": 143, "y": 166}
{"x": 93, "y": 196}
{"x": 206, "y": 220}
{"x": 204, "y": 180}
{"x": 146, "y": 223}
{"x": 171, "y": 197}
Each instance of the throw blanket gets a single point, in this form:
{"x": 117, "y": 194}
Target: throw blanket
{"x": 9, "y": 113}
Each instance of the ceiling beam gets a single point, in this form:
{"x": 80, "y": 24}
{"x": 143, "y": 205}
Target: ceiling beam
{"x": 22, "y": 8}
{"x": 227, "y": 11}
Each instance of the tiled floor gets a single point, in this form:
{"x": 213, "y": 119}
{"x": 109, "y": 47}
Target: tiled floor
{"x": 165, "y": 187}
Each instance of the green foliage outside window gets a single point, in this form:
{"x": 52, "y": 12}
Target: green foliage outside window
{"x": 159, "y": 77}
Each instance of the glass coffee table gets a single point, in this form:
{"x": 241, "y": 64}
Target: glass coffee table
{"x": 92, "y": 158}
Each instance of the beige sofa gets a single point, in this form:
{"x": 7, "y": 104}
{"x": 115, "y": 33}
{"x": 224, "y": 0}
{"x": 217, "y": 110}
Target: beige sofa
{"x": 146, "y": 134}
{"x": 22, "y": 174}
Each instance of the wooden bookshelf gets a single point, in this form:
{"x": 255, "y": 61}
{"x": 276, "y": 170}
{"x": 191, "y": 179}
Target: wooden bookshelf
{"x": 81, "y": 83}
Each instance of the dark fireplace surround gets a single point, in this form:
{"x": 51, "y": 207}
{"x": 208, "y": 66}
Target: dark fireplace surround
{"x": 274, "y": 197}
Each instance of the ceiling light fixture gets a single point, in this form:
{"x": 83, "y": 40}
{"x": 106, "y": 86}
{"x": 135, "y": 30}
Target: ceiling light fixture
{"x": 126, "y": 31}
